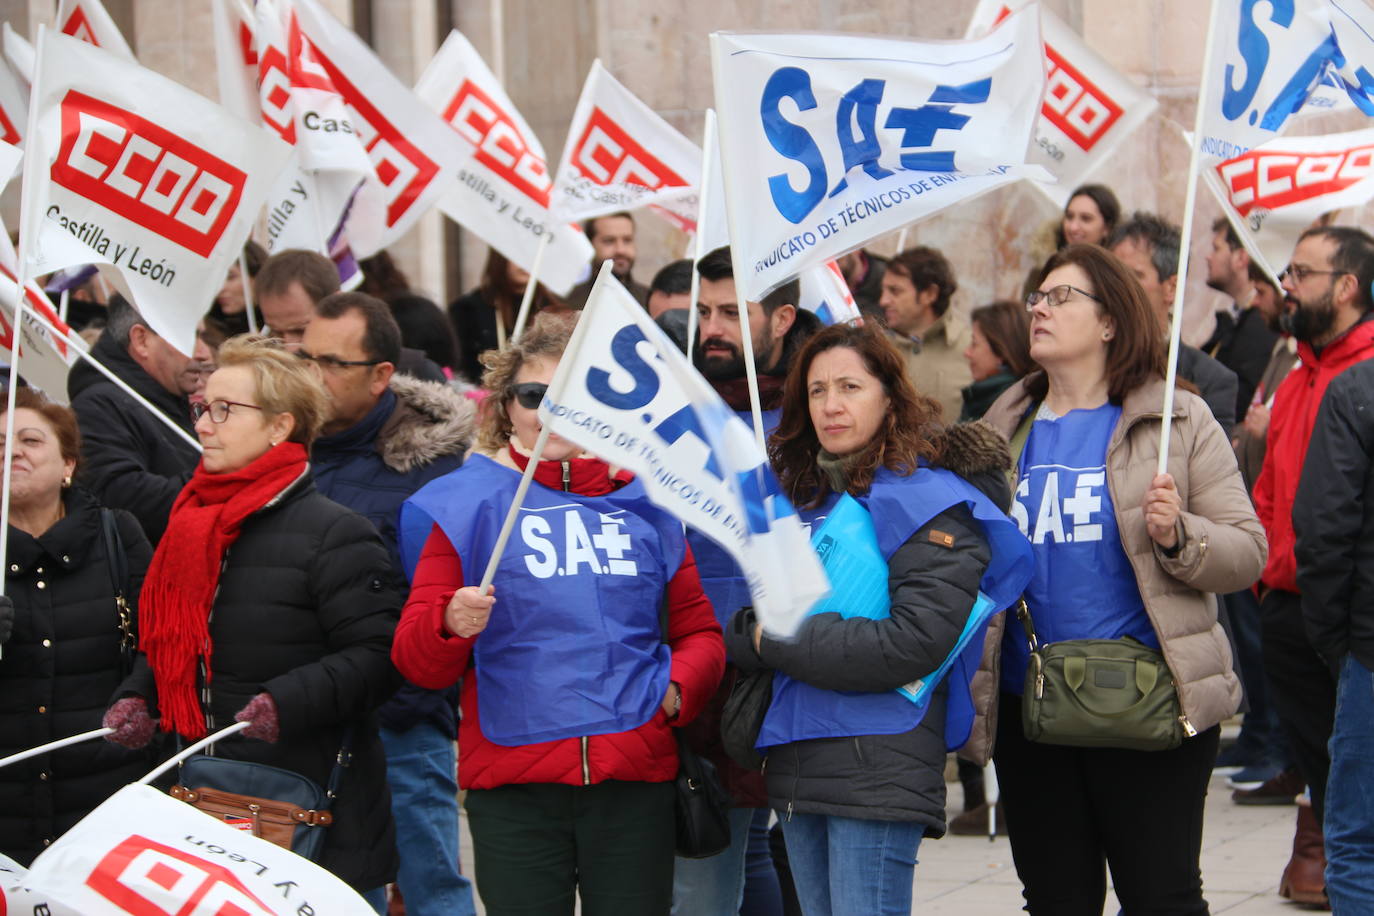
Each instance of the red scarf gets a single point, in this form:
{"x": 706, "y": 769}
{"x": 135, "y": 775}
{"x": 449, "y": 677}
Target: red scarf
{"x": 174, "y": 607}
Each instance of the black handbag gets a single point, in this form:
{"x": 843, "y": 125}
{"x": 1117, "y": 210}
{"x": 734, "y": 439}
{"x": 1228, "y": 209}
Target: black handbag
{"x": 276, "y": 805}
{"x": 702, "y": 804}
{"x": 742, "y": 716}
{"x": 118, "y": 565}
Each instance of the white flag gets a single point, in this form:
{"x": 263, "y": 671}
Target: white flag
{"x": 830, "y": 141}
{"x": 621, "y": 155}
{"x": 1089, "y": 108}
{"x": 146, "y": 853}
{"x": 624, "y": 392}
{"x": 45, "y": 355}
{"x": 88, "y": 20}
{"x": 502, "y": 193}
{"x": 14, "y": 107}
{"x": 128, "y": 168}
{"x": 19, "y": 53}
{"x": 236, "y": 57}
{"x": 1275, "y": 191}
{"x": 825, "y": 292}
{"x": 414, "y": 159}
{"x": 17, "y": 898}
{"x": 1352, "y": 67}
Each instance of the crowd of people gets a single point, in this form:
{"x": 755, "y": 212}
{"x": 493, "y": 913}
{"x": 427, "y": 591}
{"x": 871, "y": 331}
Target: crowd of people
{"x": 313, "y": 570}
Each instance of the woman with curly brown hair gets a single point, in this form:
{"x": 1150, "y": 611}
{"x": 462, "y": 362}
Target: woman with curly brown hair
{"x": 855, "y": 767}
{"x": 593, "y": 645}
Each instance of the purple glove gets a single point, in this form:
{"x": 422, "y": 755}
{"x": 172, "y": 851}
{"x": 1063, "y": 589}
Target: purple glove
{"x": 262, "y": 712}
{"x": 133, "y": 727}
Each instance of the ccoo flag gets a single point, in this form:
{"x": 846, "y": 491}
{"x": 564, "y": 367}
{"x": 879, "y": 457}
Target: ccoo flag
{"x": 128, "y": 168}
{"x": 624, "y": 392}
{"x": 831, "y": 141}
{"x": 88, "y": 20}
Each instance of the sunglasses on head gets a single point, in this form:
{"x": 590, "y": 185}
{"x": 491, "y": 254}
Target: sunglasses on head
{"x": 530, "y": 394}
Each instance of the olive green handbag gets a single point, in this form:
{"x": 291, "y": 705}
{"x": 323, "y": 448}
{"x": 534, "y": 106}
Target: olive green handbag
{"x": 1116, "y": 693}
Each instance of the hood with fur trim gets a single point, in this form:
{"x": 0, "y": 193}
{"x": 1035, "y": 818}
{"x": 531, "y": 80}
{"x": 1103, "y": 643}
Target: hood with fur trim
{"x": 979, "y": 454}
{"x": 430, "y": 420}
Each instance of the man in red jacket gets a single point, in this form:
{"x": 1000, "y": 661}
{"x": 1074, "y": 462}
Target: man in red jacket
{"x": 1328, "y": 285}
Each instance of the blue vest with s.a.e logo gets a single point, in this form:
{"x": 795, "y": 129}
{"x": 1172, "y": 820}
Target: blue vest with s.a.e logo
{"x": 900, "y": 506}
{"x": 573, "y": 646}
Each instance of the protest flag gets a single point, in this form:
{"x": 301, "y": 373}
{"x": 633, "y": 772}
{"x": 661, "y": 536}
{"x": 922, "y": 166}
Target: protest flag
{"x": 624, "y": 392}
{"x": 825, "y": 293}
{"x": 236, "y": 57}
{"x": 89, "y": 21}
{"x": 128, "y": 168}
{"x": 14, "y": 107}
{"x": 20, "y": 54}
{"x": 831, "y": 141}
{"x": 1089, "y": 107}
{"x": 414, "y": 159}
{"x": 502, "y": 193}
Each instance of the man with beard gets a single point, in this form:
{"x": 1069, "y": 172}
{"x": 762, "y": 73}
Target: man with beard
{"x": 1328, "y": 288}
{"x": 613, "y": 239}
{"x": 1242, "y": 339}
{"x": 778, "y": 328}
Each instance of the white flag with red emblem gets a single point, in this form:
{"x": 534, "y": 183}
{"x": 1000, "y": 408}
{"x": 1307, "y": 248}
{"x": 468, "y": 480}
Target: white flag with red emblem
{"x": 88, "y": 20}
{"x": 502, "y": 194}
{"x": 45, "y": 354}
{"x": 236, "y": 57}
{"x": 128, "y": 168}
{"x": 621, "y": 155}
{"x": 14, "y": 106}
{"x": 413, "y": 156}
{"x": 1275, "y": 191}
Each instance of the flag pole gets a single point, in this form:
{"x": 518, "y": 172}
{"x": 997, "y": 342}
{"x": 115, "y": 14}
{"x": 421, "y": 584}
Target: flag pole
{"x": 901, "y": 238}
{"x": 739, "y": 269}
{"x": 1190, "y": 200}
{"x": 63, "y": 302}
{"x": 247, "y": 282}
{"x": 55, "y": 745}
{"x": 708, "y": 155}
{"x": 193, "y": 749}
{"x": 530, "y": 284}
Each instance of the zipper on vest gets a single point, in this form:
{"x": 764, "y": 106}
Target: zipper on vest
{"x": 567, "y": 477}
{"x": 586, "y": 767}
{"x": 1188, "y": 728}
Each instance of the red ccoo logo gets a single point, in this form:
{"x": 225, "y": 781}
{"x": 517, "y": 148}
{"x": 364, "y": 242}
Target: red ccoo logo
{"x": 78, "y": 26}
{"x": 1273, "y": 179}
{"x": 497, "y": 141}
{"x": 1075, "y": 105}
{"x": 606, "y": 154}
{"x": 146, "y": 878}
{"x": 146, "y": 174}
{"x": 274, "y": 93}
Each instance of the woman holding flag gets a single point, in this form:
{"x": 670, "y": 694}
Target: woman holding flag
{"x": 1122, "y": 554}
{"x": 593, "y": 645}
{"x": 855, "y": 768}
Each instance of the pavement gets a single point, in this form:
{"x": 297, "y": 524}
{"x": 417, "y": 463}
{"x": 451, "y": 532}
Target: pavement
{"x": 1244, "y": 850}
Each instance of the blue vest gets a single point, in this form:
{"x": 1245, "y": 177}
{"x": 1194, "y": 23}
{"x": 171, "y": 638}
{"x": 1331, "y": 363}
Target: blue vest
{"x": 573, "y": 646}
{"x": 721, "y": 578}
{"x": 900, "y": 506}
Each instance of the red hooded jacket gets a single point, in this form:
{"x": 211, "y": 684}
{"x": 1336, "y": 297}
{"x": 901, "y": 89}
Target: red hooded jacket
{"x": 1290, "y": 429}
{"x": 428, "y": 655}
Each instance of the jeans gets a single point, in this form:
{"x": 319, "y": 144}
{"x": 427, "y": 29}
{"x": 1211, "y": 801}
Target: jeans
{"x": 1349, "y": 827}
{"x": 424, "y": 801}
{"x": 716, "y": 885}
{"x": 845, "y": 866}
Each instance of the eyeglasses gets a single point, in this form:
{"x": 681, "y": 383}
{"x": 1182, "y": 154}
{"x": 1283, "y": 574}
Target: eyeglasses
{"x": 1055, "y": 295}
{"x": 333, "y": 363}
{"x": 218, "y": 409}
{"x": 529, "y": 394}
{"x": 1300, "y": 273}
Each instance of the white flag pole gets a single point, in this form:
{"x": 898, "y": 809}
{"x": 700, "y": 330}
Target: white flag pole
{"x": 708, "y": 155}
{"x": 247, "y": 282}
{"x": 193, "y": 749}
{"x": 739, "y": 269}
{"x": 63, "y": 302}
{"x": 55, "y": 745}
{"x": 1190, "y": 199}
{"x": 530, "y": 284}
{"x": 901, "y": 239}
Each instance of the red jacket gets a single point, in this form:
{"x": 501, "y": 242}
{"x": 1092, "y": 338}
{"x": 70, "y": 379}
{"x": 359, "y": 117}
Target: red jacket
{"x": 428, "y": 655}
{"x": 1290, "y": 429}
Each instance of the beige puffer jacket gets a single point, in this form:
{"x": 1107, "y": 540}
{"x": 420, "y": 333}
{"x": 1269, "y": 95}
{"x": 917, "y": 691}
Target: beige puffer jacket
{"x": 1224, "y": 549}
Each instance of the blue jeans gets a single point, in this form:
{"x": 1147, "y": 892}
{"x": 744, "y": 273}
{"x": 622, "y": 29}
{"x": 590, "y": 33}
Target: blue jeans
{"x": 715, "y": 885}
{"x": 846, "y": 866}
{"x": 1349, "y": 824}
{"x": 424, "y": 801}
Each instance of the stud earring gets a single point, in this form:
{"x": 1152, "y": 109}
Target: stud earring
{"x": 67, "y": 481}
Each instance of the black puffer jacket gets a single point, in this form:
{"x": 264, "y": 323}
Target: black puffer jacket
{"x": 58, "y": 672}
{"x": 306, "y": 608}
{"x": 130, "y": 459}
{"x": 886, "y": 777}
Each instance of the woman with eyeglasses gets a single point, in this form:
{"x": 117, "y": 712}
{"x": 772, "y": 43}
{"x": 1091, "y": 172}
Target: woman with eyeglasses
{"x": 1120, "y": 551}
{"x": 595, "y": 643}
{"x": 65, "y": 642}
{"x": 268, "y": 603}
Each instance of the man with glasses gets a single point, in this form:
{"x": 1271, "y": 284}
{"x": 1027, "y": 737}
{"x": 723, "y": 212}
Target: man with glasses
{"x": 386, "y": 436}
{"x": 1328, "y": 288}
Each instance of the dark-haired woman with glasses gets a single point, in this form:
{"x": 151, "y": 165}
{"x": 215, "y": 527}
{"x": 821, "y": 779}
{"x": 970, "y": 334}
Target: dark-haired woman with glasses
{"x": 1120, "y": 551}
{"x": 595, "y": 643}
{"x": 268, "y": 603}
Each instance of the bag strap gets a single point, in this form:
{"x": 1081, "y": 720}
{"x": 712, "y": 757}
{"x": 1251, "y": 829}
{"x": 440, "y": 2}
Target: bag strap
{"x": 342, "y": 761}
{"x": 1017, "y": 445}
{"x": 118, "y": 565}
